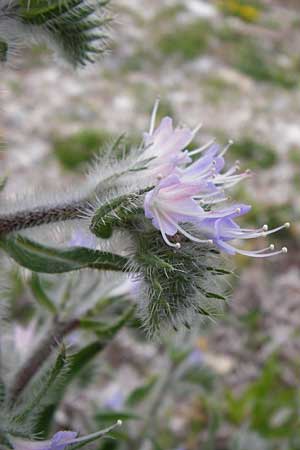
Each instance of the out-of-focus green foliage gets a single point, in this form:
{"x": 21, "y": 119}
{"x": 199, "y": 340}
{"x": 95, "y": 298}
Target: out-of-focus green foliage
{"x": 254, "y": 154}
{"x": 80, "y": 148}
{"x": 187, "y": 41}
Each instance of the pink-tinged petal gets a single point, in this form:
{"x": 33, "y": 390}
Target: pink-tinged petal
{"x": 213, "y": 150}
{"x": 162, "y": 223}
{"x": 185, "y": 209}
{"x": 161, "y": 134}
{"x": 179, "y": 140}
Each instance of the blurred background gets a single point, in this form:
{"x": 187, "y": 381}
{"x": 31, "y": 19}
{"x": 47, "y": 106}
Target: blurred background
{"x": 233, "y": 65}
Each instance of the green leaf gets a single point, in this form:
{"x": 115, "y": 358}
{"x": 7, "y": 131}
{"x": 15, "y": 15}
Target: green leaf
{"x": 40, "y": 295}
{"x": 139, "y": 394}
{"x": 93, "y": 437}
{"x": 3, "y": 180}
{"x": 215, "y": 295}
{"x": 77, "y": 27}
{"x": 2, "y": 391}
{"x": 40, "y": 258}
{"x": 76, "y": 363}
{"x": 109, "y": 331}
{"x": 35, "y": 400}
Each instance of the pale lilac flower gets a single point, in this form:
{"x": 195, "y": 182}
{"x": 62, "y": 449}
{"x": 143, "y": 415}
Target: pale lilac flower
{"x": 220, "y": 226}
{"x": 186, "y": 192}
{"x": 115, "y": 402}
{"x": 58, "y": 442}
{"x": 170, "y": 203}
{"x": 61, "y": 440}
{"x": 81, "y": 238}
{"x": 165, "y": 147}
{"x": 195, "y": 358}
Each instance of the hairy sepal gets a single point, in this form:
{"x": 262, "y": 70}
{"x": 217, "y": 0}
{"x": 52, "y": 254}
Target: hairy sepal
{"x": 175, "y": 285}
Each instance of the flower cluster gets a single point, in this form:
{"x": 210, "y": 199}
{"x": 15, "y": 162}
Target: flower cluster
{"x": 190, "y": 186}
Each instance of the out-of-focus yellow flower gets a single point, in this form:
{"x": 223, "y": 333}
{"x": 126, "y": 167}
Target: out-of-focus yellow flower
{"x": 244, "y": 11}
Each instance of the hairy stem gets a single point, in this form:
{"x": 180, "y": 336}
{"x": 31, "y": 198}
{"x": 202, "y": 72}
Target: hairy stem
{"x": 41, "y": 215}
{"x": 41, "y": 354}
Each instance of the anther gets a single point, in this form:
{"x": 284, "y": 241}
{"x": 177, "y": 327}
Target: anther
{"x": 265, "y": 227}
{"x": 238, "y": 210}
{"x": 119, "y": 423}
{"x": 287, "y": 225}
{"x": 284, "y": 250}
{"x": 272, "y": 247}
{"x": 177, "y": 245}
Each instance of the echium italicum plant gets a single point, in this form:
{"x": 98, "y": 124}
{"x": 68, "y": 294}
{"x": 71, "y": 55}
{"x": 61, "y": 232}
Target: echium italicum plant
{"x": 153, "y": 226}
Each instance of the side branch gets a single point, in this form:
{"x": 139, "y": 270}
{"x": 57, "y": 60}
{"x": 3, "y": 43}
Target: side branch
{"x": 40, "y": 215}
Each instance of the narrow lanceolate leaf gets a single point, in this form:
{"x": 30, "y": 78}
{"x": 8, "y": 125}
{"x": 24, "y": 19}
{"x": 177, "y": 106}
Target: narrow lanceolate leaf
{"x": 40, "y": 258}
{"x": 139, "y": 394}
{"x": 54, "y": 372}
{"x": 40, "y": 294}
{"x": 76, "y": 363}
{"x": 2, "y": 179}
{"x": 76, "y": 27}
{"x": 3, "y": 58}
{"x": 81, "y": 442}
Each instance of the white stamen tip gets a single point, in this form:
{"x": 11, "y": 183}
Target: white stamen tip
{"x": 177, "y": 245}
{"x": 284, "y": 250}
{"x": 197, "y": 128}
{"x": 119, "y": 423}
{"x": 238, "y": 210}
{"x": 230, "y": 142}
{"x": 210, "y": 241}
{"x": 272, "y": 247}
{"x": 265, "y": 228}
{"x": 287, "y": 225}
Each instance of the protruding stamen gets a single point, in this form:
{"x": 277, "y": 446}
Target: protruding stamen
{"x": 230, "y": 142}
{"x": 265, "y": 227}
{"x": 201, "y": 149}
{"x": 284, "y": 250}
{"x": 197, "y": 128}
{"x": 177, "y": 245}
{"x": 153, "y": 115}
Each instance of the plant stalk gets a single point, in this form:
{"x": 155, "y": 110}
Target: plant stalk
{"x": 41, "y": 215}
